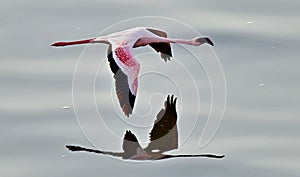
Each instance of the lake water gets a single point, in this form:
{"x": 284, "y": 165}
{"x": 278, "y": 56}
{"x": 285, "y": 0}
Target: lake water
{"x": 257, "y": 44}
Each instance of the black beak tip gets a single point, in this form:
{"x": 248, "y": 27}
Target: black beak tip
{"x": 209, "y": 41}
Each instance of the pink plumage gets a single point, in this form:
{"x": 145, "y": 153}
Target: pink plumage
{"x": 123, "y": 65}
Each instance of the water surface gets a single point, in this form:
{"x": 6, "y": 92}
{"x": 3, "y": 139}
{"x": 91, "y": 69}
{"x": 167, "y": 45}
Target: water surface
{"x": 257, "y": 43}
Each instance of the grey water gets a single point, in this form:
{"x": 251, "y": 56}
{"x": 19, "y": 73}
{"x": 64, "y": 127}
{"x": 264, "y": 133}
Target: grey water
{"x": 256, "y": 42}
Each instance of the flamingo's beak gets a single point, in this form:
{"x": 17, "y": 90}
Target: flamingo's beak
{"x": 208, "y": 41}
{"x": 203, "y": 40}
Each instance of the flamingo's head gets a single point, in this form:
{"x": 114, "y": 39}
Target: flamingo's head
{"x": 202, "y": 40}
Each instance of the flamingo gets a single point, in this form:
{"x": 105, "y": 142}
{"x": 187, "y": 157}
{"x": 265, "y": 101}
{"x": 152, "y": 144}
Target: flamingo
{"x": 163, "y": 138}
{"x": 124, "y": 66}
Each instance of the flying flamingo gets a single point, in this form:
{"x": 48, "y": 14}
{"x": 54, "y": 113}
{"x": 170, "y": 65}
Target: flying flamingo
{"x": 163, "y": 138}
{"x": 123, "y": 65}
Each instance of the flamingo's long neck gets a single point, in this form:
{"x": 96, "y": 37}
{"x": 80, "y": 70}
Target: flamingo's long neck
{"x": 179, "y": 41}
{"x": 182, "y": 41}
{"x": 146, "y": 40}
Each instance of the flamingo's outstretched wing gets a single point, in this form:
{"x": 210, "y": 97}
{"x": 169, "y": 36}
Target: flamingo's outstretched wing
{"x": 164, "y": 134}
{"x": 130, "y": 144}
{"x": 125, "y": 70}
{"x": 163, "y": 48}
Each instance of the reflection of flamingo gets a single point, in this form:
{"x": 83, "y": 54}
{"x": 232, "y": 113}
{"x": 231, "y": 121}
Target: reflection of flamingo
{"x": 120, "y": 57}
{"x": 163, "y": 137}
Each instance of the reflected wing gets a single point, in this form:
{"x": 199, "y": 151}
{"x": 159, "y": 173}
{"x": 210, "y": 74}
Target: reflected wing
{"x": 163, "y": 48}
{"x": 125, "y": 78}
{"x": 130, "y": 144}
{"x": 164, "y": 134}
